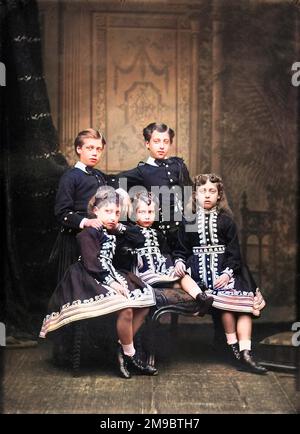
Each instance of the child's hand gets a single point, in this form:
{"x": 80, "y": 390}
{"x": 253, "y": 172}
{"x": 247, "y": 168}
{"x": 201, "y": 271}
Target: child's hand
{"x": 180, "y": 268}
{"x": 119, "y": 288}
{"x": 93, "y": 223}
{"x": 118, "y": 228}
{"x": 222, "y": 281}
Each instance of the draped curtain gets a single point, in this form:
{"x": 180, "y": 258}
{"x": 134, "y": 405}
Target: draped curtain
{"x": 32, "y": 166}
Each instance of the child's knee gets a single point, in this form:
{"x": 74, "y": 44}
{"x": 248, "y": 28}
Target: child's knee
{"x": 127, "y": 314}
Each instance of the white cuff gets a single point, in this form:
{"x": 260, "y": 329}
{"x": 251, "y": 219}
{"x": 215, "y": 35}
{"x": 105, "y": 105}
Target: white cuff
{"x": 179, "y": 260}
{"x": 228, "y": 271}
{"x": 82, "y": 223}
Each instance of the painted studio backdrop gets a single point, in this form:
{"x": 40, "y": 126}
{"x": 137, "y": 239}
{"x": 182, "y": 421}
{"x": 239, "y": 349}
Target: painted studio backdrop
{"x": 218, "y": 72}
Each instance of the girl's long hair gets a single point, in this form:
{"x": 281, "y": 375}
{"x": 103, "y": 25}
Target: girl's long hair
{"x": 201, "y": 179}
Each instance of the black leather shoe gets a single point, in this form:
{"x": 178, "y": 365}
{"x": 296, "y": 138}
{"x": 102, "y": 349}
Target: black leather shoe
{"x": 134, "y": 363}
{"x": 204, "y": 303}
{"x": 235, "y": 352}
{"x": 249, "y": 364}
{"x": 122, "y": 363}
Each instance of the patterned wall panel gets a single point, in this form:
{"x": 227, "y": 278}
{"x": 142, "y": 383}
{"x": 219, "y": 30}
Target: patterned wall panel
{"x": 141, "y": 74}
{"x": 120, "y": 70}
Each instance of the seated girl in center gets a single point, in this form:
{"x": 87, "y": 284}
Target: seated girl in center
{"x": 93, "y": 287}
{"x": 153, "y": 263}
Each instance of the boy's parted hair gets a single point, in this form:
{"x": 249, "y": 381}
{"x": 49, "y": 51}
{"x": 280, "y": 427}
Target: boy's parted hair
{"x": 89, "y": 133}
{"x": 105, "y": 195}
{"x": 201, "y": 179}
{"x": 161, "y": 128}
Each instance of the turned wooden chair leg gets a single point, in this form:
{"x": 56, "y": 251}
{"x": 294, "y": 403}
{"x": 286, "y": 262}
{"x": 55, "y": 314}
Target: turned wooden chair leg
{"x": 151, "y": 343}
{"x": 77, "y": 330}
{"x": 138, "y": 345}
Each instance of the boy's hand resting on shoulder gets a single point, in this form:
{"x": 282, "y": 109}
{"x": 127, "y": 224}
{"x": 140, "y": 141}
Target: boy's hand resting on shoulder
{"x": 180, "y": 268}
{"x": 93, "y": 223}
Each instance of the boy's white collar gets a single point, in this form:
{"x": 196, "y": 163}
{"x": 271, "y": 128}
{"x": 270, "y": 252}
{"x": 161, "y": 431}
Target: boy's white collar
{"x": 81, "y": 166}
{"x": 151, "y": 161}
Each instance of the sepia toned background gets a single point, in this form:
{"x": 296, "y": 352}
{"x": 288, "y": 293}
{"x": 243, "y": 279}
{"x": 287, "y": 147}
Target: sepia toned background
{"x": 218, "y": 72}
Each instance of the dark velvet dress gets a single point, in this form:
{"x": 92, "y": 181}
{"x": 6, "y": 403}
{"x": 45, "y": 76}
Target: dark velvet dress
{"x": 209, "y": 246}
{"x": 85, "y": 292}
{"x": 148, "y": 248}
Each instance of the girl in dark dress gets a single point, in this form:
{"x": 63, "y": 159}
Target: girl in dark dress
{"x": 208, "y": 248}
{"x": 152, "y": 260}
{"x": 93, "y": 287}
